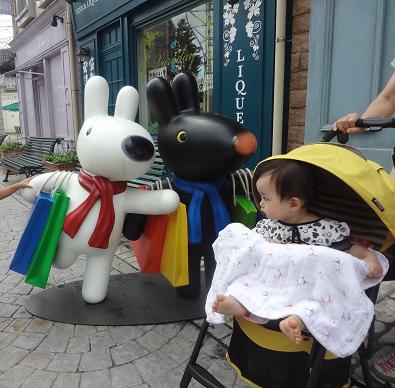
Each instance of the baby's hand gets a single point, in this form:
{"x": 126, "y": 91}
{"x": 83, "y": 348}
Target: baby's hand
{"x": 271, "y": 240}
{"x": 375, "y": 268}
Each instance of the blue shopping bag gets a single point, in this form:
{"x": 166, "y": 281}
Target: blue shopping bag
{"x": 33, "y": 230}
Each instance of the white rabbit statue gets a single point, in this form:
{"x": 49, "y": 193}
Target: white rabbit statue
{"x": 111, "y": 150}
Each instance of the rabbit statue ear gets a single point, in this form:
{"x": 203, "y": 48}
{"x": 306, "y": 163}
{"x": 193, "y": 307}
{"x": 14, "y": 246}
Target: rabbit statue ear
{"x": 95, "y": 97}
{"x": 186, "y": 92}
{"x": 161, "y": 100}
{"x": 127, "y": 103}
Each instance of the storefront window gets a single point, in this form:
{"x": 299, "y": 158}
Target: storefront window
{"x": 183, "y": 42}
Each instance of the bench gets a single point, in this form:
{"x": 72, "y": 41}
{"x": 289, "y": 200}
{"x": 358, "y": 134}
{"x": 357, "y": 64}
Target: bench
{"x": 30, "y": 162}
{"x": 2, "y": 137}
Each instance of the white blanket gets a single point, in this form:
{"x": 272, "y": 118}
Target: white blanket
{"x": 323, "y": 286}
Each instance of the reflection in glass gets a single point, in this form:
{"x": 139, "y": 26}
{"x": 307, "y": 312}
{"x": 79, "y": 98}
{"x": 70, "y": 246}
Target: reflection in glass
{"x": 183, "y": 42}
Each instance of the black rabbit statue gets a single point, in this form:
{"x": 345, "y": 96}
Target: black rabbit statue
{"x": 201, "y": 149}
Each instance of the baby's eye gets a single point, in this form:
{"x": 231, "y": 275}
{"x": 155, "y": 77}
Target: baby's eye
{"x": 88, "y": 131}
{"x": 181, "y": 136}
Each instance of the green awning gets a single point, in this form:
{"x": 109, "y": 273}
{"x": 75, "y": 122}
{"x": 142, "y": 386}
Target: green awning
{"x": 14, "y": 107}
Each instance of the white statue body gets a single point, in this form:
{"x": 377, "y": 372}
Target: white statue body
{"x": 116, "y": 148}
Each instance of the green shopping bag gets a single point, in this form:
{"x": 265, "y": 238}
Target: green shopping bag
{"x": 45, "y": 252}
{"x": 243, "y": 210}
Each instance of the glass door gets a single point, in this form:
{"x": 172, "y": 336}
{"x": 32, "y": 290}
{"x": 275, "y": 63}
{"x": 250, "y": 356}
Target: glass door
{"x": 181, "y": 42}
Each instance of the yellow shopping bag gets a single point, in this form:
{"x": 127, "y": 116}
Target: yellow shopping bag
{"x": 174, "y": 264}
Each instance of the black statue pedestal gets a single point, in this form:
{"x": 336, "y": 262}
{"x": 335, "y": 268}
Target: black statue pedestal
{"x": 132, "y": 299}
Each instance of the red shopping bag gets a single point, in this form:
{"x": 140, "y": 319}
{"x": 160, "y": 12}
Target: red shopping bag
{"x": 149, "y": 247}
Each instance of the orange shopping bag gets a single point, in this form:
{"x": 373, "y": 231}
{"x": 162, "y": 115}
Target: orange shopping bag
{"x": 174, "y": 264}
{"x": 149, "y": 247}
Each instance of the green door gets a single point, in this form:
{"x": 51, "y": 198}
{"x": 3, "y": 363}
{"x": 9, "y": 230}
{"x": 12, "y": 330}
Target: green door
{"x": 111, "y": 61}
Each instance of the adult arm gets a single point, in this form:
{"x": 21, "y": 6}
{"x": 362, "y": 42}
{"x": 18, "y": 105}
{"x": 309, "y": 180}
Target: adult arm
{"x": 7, "y": 191}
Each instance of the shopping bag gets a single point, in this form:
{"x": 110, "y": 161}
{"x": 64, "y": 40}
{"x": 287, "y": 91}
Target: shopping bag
{"x": 46, "y": 249}
{"x": 243, "y": 210}
{"x": 174, "y": 265}
{"x": 148, "y": 248}
{"x": 31, "y": 235}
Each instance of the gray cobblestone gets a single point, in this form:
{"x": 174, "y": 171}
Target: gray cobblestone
{"x": 101, "y": 340}
{"x": 22, "y": 299}
{"x": 37, "y": 360}
{"x": 28, "y": 341}
{"x": 21, "y": 288}
{"x": 127, "y": 352}
{"x": 40, "y": 379}
{"x": 125, "y": 376}
{"x": 22, "y": 313}
{"x": 10, "y": 356}
{"x": 15, "y": 376}
{"x": 63, "y": 362}
{"x": 8, "y": 298}
{"x": 17, "y": 326}
{"x": 152, "y": 340}
{"x": 97, "y": 379}
{"x": 6, "y": 339}
{"x": 388, "y": 338}
{"x": 84, "y": 330}
{"x": 53, "y": 343}
{"x": 39, "y": 325}
{"x": 78, "y": 345}
{"x": 385, "y": 311}
{"x": 122, "y": 334}
{"x": 63, "y": 330}
{"x": 67, "y": 380}
{"x": 95, "y": 360}
{"x": 169, "y": 330}
{"x": 7, "y": 310}
{"x": 4, "y": 322}
{"x": 153, "y": 365}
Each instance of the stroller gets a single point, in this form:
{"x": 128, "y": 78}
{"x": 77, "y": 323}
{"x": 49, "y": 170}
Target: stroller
{"x": 351, "y": 189}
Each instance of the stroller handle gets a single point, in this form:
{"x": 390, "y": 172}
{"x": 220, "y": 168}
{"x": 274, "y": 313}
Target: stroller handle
{"x": 375, "y": 124}
{"x": 372, "y": 124}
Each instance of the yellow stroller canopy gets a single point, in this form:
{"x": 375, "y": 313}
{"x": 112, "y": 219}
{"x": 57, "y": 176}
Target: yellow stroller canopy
{"x": 350, "y": 189}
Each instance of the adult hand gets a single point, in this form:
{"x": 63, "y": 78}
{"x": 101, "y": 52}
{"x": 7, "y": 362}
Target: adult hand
{"x": 25, "y": 183}
{"x": 346, "y": 124}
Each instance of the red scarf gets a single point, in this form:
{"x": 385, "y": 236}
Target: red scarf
{"x": 99, "y": 188}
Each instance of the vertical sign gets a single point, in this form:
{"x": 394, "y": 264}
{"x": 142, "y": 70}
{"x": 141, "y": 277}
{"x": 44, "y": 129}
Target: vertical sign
{"x": 242, "y": 64}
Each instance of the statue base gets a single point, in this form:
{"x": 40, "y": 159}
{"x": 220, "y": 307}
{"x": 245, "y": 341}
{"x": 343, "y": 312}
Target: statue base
{"x": 132, "y": 299}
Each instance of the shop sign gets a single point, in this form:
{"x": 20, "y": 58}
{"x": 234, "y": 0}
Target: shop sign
{"x": 89, "y": 11}
{"x": 242, "y": 60}
{"x": 159, "y": 72}
{"x": 10, "y": 83}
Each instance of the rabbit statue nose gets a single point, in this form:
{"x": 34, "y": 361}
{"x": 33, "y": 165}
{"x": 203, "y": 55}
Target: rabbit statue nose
{"x": 138, "y": 148}
{"x": 244, "y": 143}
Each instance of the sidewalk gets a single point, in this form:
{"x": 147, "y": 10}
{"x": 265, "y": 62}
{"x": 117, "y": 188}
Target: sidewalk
{"x": 36, "y": 353}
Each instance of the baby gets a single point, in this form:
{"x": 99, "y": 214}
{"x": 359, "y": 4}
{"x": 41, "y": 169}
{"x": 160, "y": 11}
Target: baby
{"x": 287, "y": 189}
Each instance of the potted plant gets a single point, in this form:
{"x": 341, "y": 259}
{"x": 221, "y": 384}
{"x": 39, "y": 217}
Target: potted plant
{"x": 11, "y": 149}
{"x": 64, "y": 160}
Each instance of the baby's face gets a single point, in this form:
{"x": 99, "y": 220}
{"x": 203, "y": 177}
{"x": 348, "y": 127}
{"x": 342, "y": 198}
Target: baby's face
{"x": 271, "y": 204}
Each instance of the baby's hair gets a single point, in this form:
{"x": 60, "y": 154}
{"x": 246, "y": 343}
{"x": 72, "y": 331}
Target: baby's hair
{"x": 292, "y": 179}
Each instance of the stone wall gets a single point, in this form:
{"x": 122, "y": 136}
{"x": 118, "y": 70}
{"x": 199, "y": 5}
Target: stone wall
{"x": 299, "y": 65}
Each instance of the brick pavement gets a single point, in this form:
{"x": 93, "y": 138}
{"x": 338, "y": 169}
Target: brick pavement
{"x": 38, "y": 353}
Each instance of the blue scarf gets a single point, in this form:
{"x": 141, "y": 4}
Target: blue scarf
{"x": 198, "y": 191}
